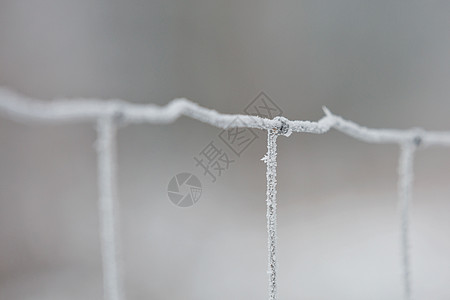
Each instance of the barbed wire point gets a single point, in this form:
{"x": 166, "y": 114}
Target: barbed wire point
{"x": 327, "y": 111}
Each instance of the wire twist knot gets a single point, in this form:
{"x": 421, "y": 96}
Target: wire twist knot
{"x": 284, "y": 128}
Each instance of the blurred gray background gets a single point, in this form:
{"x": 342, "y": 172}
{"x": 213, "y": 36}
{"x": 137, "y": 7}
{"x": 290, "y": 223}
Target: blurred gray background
{"x": 378, "y": 63}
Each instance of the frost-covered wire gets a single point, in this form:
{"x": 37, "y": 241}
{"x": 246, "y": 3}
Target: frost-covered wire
{"x": 405, "y": 183}
{"x": 62, "y": 110}
{"x": 108, "y": 211}
{"x": 271, "y": 200}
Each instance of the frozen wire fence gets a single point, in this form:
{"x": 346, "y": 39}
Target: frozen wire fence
{"x": 108, "y": 113}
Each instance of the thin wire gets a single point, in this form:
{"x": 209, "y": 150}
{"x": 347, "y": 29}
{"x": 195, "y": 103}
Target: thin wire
{"x": 271, "y": 176}
{"x": 22, "y": 108}
{"x": 271, "y": 201}
{"x": 108, "y": 212}
{"x": 405, "y": 183}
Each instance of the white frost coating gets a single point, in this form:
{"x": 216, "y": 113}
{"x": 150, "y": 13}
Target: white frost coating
{"x": 386, "y": 136}
{"x": 405, "y": 182}
{"x": 22, "y": 108}
{"x": 271, "y": 176}
{"x": 108, "y": 214}
{"x": 271, "y": 193}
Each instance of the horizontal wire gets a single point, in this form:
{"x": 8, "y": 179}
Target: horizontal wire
{"x": 63, "y": 110}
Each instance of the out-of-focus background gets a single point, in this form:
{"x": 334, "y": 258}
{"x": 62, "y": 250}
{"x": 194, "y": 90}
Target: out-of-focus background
{"x": 378, "y": 63}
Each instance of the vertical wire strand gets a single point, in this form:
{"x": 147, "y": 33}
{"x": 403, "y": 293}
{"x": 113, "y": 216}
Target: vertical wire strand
{"x": 406, "y": 175}
{"x": 108, "y": 211}
{"x": 271, "y": 200}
